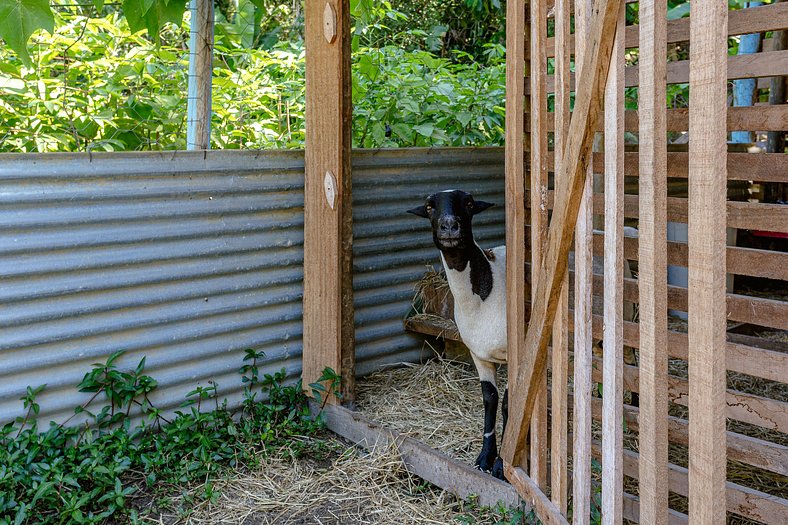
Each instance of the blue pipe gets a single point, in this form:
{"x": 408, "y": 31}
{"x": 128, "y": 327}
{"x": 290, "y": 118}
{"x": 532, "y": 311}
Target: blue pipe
{"x": 744, "y": 89}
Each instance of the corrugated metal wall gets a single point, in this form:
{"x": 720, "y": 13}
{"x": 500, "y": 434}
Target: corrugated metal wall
{"x": 189, "y": 258}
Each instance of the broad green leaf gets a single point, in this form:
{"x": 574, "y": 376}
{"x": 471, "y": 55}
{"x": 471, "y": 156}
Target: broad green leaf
{"x": 99, "y": 4}
{"x": 425, "y": 129}
{"x": 403, "y": 131}
{"x": 464, "y": 117}
{"x": 152, "y": 14}
{"x": 19, "y": 19}
{"x": 680, "y": 11}
{"x": 14, "y": 85}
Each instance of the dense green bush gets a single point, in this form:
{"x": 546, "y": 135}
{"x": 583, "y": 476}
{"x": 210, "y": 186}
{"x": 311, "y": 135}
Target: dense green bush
{"x": 96, "y": 86}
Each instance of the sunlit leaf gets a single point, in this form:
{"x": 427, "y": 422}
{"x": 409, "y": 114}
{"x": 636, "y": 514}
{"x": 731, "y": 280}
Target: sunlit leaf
{"x": 21, "y": 18}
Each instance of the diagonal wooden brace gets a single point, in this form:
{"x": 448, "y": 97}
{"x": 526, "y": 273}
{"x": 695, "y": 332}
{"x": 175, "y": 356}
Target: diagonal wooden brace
{"x": 577, "y": 155}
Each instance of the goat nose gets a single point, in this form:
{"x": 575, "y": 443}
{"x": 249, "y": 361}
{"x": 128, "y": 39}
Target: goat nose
{"x": 449, "y": 225}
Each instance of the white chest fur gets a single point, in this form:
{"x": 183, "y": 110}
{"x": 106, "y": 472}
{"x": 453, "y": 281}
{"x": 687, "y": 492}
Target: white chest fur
{"x": 481, "y": 323}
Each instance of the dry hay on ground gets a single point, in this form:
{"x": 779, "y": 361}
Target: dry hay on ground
{"x": 342, "y": 485}
{"x": 438, "y": 403}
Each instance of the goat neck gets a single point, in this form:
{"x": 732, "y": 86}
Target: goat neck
{"x": 462, "y": 281}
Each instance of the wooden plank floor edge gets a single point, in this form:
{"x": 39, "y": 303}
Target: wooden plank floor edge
{"x": 425, "y": 462}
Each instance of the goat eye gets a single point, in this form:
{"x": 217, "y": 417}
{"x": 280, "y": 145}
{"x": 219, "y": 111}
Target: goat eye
{"x": 428, "y": 208}
{"x": 470, "y": 204}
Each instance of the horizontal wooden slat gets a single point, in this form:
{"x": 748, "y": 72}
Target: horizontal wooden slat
{"x": 748, "y": 408}
{"x": 741, "y": 215}
{"x": 741, "y": 500}
{"x": 741, "y": 261}
{"x": 745, "y": 449}
{"x": 429, "y": 464}
{"x": 740, "y": 358}
{"x": 746, "y": 309}
{"x": 632, "y": 511}
{"x": 769, "y": 64}
{"x": 768, "y": 264}
{"x": 761, "y": 167}
{"x": 754, "y": 118}
{"x": 741, "y": 21}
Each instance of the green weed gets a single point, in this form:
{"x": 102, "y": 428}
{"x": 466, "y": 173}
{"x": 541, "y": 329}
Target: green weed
{"x": 91, "y": 472}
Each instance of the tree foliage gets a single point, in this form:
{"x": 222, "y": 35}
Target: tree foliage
{"x": 98, "y": 86}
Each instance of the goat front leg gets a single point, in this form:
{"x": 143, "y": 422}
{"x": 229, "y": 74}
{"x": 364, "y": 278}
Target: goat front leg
{"x": 489, "y": 453}
{"x": 497, "y": 469}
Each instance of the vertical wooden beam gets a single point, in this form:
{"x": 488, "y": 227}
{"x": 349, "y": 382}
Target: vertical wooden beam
{"x": 539, "y": 190}
{"x": 559, "y": 425}
{"x": 613, "y": 326}
{"x": 328, "y": 277}
{"x": 198, "y": 106}
{"x": 652, "y": 276}
{"x": 583, "y": 342}
{"x": 576, "y": 157}
{"x": 706, "y": 234}
{"x": 516, "y": 286}
{"x": 775, "y": 140}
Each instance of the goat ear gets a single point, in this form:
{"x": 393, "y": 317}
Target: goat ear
{"x": 421, "y": 211}
{"x": 480, "y": 206}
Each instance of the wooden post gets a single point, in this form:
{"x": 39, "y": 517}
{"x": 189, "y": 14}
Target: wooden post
{"x": 516, "y": 286}
{"x": 652, "y": 277}
{"x": 538, "y": 470}
{"x": 613, "y": 326}
{"x": 577, "y": 155}
{"x": 706, "y": 227}
{"x": 775, "y": 140}
{"x": 559, "y": 425}
{"x": 583, "y": 340}
{"x": 328, "y": 278}
{"x": 198, "y": 107}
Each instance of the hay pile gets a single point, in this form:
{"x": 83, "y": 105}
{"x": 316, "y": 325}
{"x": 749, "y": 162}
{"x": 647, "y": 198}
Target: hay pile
{"x": 439, "y": 403}
{"x": 337, "y": 484}
{"x": 346, "y": 487}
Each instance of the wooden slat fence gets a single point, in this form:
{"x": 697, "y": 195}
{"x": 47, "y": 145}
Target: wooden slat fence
{"x": 684, "y": 369}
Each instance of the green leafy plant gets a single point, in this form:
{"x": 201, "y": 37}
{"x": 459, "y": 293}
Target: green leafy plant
{"x": 90, "y": 473}
{"x": 327, "y": 385}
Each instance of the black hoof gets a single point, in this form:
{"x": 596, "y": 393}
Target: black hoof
{"x": 485, "y": 462}
{"x": 497, "y": 470}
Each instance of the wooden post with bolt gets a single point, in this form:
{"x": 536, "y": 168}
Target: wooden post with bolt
{"x": 328, "y": 271}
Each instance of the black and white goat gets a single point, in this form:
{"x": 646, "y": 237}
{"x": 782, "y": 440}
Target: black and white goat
{"x": 477, "y": 279}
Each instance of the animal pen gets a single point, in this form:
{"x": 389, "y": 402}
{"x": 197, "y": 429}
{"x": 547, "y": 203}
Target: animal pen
{"x": 539, "y": 242}
{"x": 168, "y": 253}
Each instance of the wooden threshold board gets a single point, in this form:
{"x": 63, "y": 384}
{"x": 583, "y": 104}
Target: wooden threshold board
{"x": 462, "y": 480}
